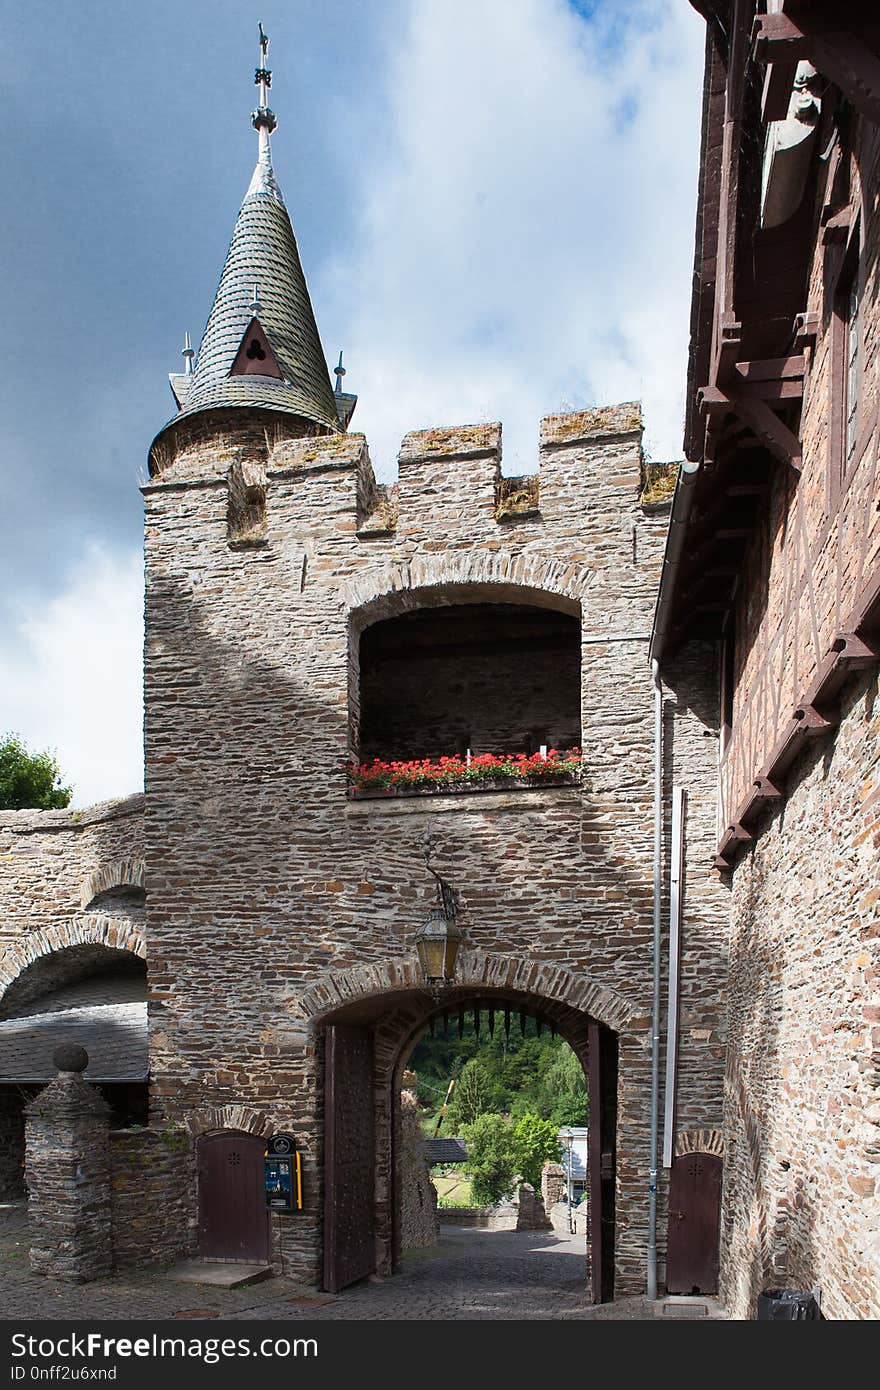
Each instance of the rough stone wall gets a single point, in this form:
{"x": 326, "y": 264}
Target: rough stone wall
{"x": 153, "y": 1214}
{"x": 418, "y": 1195}
{"x": 553, "y": 1184}
{"x": 690, "y": 743}
{"x": 530, "y": 1213}
{"x": 267, "y": 885}
{"x": 802, "y": 1102}
{"x": 68, "y": 1178}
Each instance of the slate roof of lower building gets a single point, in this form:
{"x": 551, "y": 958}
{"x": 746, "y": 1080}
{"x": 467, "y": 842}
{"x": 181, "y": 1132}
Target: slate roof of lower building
{"x": 114, "y": 1035}
{"x": 446, "y": 1150}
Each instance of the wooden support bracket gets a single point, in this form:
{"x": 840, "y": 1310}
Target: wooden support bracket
{"x": 764, "y": 424}
{"x": 815, "y": 717}
{"x": 777, "y": 39}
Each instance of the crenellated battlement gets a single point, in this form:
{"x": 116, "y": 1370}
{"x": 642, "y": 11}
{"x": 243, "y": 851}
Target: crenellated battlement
{"x": 447, "y": 477}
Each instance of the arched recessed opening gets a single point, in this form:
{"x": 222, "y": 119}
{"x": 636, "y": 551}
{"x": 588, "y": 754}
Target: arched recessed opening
{"x": 478, "y": 677}
{"x": 121, "y": 900}
{"x": 89, "y": 994}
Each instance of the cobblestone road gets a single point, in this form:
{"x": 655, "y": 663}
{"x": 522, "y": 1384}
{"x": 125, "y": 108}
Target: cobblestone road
{"x": 471, "y": 1274}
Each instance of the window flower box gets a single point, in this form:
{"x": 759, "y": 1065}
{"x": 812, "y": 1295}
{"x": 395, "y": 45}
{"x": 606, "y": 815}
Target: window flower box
{"x": 483, "y": 772}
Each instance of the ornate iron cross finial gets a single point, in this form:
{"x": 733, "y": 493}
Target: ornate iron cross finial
{"x": 263, "y": 119}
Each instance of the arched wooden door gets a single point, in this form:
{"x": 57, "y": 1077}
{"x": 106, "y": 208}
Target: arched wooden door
{"x": 233, "y": 1220}
{"x": 694, "y": 1217}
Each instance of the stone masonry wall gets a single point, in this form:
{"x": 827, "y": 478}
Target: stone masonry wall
{"x": 152, "y": 1210}
{"x": 802, "y": 1105}
{"x": 269, "y": 887}
{"x": 418, "y": 1196}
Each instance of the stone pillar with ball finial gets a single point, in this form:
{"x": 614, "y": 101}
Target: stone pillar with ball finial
{"x": 67, "y": 1168}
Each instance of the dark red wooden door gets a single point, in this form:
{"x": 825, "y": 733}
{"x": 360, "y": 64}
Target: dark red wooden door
{"x": 349, "y": 1157}
{"x": 601, "y": 1166}
{"x": 694, "y": 1215}
{"x": 233, "y": 1220}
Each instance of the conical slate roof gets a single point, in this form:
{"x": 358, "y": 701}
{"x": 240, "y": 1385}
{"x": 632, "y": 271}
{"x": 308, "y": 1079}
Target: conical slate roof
{"x": 262, "y": 260}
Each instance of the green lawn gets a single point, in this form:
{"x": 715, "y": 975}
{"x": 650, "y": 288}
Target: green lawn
{"x": 455, "y": 1189}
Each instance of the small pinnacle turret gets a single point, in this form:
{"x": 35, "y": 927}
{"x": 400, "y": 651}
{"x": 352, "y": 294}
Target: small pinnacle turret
{"x": 345, "y": 401}
{"x": 261, "y": 349}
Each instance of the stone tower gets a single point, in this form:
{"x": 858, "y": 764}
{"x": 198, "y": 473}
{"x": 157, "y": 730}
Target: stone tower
{"x": 301, "y": 617}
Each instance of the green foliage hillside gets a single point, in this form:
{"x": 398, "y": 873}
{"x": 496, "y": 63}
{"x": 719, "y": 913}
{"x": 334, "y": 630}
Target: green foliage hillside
{"x": 516, "y": 1075}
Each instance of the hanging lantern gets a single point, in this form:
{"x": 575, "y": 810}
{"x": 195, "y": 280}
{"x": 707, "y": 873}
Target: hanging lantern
{"x": 438, "y": 941}
{"x": 437, "y": 944}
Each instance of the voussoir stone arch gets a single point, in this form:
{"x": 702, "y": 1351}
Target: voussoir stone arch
{"x": 122, "y": 873}
{"x": 476, "y": 970}
{"x": 394, "y": 589}
{"x": 244, "y": 1118}
{"x": 92, "y": 929}
{"x": 700, "y": 1141}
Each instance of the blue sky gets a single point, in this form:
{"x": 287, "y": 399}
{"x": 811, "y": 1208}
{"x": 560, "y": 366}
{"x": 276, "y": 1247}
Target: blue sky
{"x": 494, "y": 204}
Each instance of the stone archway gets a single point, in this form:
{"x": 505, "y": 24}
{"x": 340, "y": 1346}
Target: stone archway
{"x": 90, "y": 931}
{"x": 384, "y": 1008}
{"x": 474, "y": 970}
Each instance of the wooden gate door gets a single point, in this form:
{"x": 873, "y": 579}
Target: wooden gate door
{"x": 233, "y": 1220}
{"x": 694, "y": 1216}
{"x": 349, "y": 1157}
{"x": 602, "y": 1088}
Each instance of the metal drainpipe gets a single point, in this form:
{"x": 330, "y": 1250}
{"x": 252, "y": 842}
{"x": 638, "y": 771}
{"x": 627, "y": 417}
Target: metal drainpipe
{"x": 655, "y": 1007}
{"x": 682, "y": 502}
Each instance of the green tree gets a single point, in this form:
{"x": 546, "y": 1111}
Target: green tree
{"x": 471, "y": 1097}
{"x": 493, "y": 1162}
{"x": 536, "y": 1142}
{"x": 567, "y": 1086}
{"x": 29, "y": 780}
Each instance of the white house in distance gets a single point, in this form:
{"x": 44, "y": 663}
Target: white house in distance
{"x": 573, "y": 1144}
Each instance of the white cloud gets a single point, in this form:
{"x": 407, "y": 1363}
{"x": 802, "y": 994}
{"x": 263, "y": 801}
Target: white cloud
{"x": 522, "y": 243}
{"x": 526, "y": 237}
{"x": 72, "y": 676}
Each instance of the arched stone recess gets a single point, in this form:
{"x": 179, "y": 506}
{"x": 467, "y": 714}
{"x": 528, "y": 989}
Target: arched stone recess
{"x": 700, "y": 1141}
{"x": 475, "y": 970}
{"x": 122, "y": 873}
{"x": 214, "y": 1118}
{"x": 510, "y": 578}
{"x": 91, "y": 929}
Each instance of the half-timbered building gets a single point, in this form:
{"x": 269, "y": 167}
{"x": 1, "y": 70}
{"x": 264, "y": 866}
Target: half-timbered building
{"x": 774, "y": 554}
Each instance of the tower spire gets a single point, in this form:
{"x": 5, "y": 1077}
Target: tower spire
{"x": 264, "y": 122}
{"x": 261, "y": 350}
